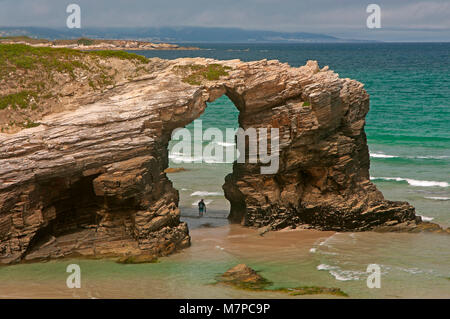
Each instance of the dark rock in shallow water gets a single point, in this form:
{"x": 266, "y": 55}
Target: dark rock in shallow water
{"x": 243, "y": 277}
{"x": 411, "y": 227}
{"x": 206, "y": 225}
{"x": 138, "y": 259}
{"x": 312, "y": 290}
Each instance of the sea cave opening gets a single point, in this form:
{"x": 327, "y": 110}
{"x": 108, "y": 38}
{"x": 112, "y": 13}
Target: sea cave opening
{"x": 199, "y": 176}
{"x": 70, "y": 210}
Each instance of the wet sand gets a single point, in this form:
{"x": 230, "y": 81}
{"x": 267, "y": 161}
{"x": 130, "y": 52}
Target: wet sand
{"x": 410, "y": 263}
{"x": 188, "y": 274}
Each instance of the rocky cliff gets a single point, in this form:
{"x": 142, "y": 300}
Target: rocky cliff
{"x": 90, "y": 181}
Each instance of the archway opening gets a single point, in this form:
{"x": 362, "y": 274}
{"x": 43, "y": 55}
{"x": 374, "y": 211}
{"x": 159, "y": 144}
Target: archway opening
{"x": 199, "y": 176}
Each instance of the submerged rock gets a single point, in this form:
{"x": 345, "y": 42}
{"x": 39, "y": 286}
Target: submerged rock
{"x": 174, "y": 169}
{"x": 312, "y": 290}
{"x": 412, "y": 227}
{"x": 243, "y": 277}
{"x": 206, "y": 225}
{"x": 138, "y": 259}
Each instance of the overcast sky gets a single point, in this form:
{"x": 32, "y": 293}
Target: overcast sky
{"x": 402, "y": 20}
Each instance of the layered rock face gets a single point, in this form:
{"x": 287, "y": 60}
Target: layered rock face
{"x": 91, "y": 181}
{"x": 323, "y": 178}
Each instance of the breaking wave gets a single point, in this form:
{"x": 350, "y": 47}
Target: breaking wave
{"x": 383, "y": 155}
{"x": 340, "y": 274}
{"x": 225, "y": 144}
{"x": 181, "y": 158}
{"x": 205, "y": 193}
{"x": 412, "y": 182}
{"x": 438, "y": 198}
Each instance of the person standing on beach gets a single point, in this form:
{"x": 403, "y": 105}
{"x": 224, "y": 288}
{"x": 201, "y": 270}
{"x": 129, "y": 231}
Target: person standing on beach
{"x": 201, "y": 207}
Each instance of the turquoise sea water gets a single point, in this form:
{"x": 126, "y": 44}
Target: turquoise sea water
{"x": 408, "y": 129}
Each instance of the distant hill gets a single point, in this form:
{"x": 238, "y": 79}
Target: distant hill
{"x": 174, "y": 34}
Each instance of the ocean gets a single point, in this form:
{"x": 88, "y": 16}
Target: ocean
{"x": 408, "y": 131}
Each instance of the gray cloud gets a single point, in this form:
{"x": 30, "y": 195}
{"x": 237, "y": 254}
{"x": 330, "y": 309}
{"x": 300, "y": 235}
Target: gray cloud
{"x": 401, "y": 19}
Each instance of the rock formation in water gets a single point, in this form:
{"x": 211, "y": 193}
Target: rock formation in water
{"x": 90, "y": 181}
{"x": 243, "y": 277}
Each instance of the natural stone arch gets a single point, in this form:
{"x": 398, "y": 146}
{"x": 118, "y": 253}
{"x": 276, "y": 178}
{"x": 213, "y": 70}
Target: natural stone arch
{"x": 113, "y": 152}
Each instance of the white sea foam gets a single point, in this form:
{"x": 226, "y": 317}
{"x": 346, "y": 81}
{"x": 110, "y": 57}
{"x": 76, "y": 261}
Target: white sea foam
{"x": 225, "y": 144}
{"x": 413, "y": 271}
{"x": 413, "y": 182}
{"x": 381, "y": 155}
{"x": 183, "y": 158}
{"x": 345, "y": 275}
{"x": 326, "y": 267}
{"x": 339, "y": 274}
{"x": 313, "y": 250}
{"x": 325, "y": 242}
{"x": 426, "y": 218}
{"x": 205, "y": 193}
{"x": 438, "y": 198}
{"x": 178, "y": 157}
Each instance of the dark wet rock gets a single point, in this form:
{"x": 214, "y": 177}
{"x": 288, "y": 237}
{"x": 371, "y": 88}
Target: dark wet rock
{"x": 206, "y": 225}
{"x": 411, "y": 227}
{"x": 312, "y": 290}
{"x": 137, "y": 259}
{"x": 243, "y": 277}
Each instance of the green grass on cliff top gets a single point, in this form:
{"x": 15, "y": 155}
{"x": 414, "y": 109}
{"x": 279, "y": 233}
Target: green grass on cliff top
{"x": 21, "y": 56}
{"x": 197, "y": 73}
{"x": 18, "y": 58}
{"x": 21, "y": 99}
{"x": 119, "y": 54}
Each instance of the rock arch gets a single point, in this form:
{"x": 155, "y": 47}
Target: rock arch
{"x": 92, "y": 182}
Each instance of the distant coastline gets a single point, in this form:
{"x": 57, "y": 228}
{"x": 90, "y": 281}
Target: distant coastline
{"x": 178, "y": 35}
{"x": 93, "y": 44}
